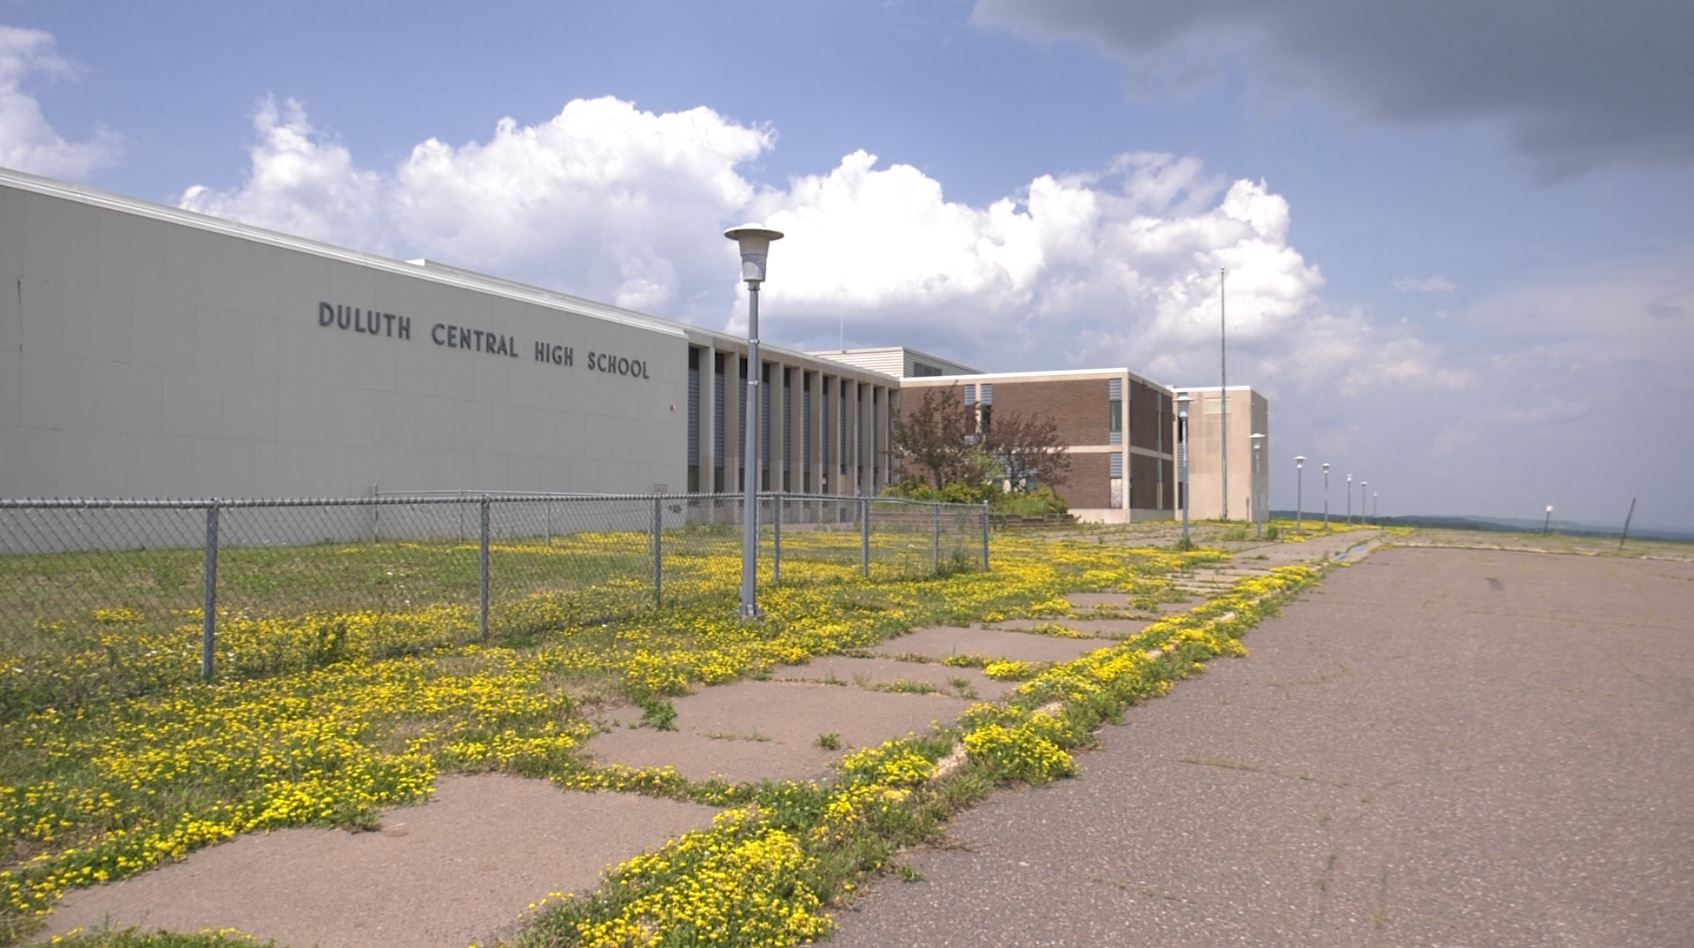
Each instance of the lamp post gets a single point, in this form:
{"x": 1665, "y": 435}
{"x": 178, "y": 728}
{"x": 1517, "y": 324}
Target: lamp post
{"x": 1362, "y": 486}
{"x": 1299, "y": 474}
{"x": 755, "y": 243}
{"x": 1182, "y": 459}
{"x": 1257, "y": 508}
{"x": 1348, "y": 520}
{"x": 1326, "y": 497}
{"x": 1223, "y": 387}
{"x": 1375, "y": 514}
{"x": 1545, "y": 524}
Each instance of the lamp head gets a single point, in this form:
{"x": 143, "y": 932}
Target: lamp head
{"x": 755, "y": 241}
{"x": 1299, "y": 460}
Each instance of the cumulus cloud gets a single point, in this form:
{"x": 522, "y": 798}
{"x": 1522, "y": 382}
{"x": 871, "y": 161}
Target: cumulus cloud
{"x": 603, "y": 199}
{"x": 1113, "y": 266}
{"x": 300, "y": 184}
{"x": 1571, "y": 84}
{"x": 28, "y": 142}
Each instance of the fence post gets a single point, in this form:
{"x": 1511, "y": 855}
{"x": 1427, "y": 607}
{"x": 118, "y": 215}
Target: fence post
{"x": 935, "y": 540}
{"x": 483, "y": 623}
{"x": 658, "y": 554}
{"x": 209, "y": 621}
{"x": 865, "y": 534}
{"x": 985, "y": 536}
{"x": 776, "y": 538}
{"x": 376, "y": 514}
{"x": 547, "y": 515}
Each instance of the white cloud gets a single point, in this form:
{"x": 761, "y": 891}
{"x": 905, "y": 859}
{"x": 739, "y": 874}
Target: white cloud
{"x": 1429, "y": 284}
{"x": 601, "y": 200}
{"x": 1115, "y": 266}
{"x": 28, "y": 142}
{"x": 301, "y": 185}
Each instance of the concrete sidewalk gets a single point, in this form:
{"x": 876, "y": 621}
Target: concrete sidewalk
{"x": 1433, "y": 747}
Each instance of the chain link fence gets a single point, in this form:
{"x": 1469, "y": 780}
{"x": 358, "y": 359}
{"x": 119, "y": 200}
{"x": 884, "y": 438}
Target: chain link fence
{"x": 103, "y": 598}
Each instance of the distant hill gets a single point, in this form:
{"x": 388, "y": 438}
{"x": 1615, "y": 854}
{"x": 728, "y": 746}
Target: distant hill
{"x": 1511, "y": 525}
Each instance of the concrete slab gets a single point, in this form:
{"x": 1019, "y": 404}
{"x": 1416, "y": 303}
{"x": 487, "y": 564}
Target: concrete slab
{"x": 870, "y": 672}
{"x": 454, "y": 870}
{"x": 699, "y": 757}
{"x": 1099, "y": 628}
{"x": 1100, "y": 600}
{"x": 768, "y": 730}
{"x": 938, "y": 642}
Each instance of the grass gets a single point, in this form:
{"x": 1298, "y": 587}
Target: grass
{"x": 97, "y": 783}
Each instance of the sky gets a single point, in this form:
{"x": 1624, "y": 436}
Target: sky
{"x": 1457, "y": 234}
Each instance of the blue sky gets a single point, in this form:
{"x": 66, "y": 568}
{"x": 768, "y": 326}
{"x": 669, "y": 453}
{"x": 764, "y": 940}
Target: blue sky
{"x": 1461, "y": 261}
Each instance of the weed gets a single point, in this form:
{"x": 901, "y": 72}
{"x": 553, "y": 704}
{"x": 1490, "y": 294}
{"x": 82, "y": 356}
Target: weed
{"x": 657, "y": 713}
{"x": 830, "y": 741}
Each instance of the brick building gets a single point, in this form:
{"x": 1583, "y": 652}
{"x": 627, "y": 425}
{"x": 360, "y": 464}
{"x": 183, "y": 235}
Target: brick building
{"x": 1115, "y": 425}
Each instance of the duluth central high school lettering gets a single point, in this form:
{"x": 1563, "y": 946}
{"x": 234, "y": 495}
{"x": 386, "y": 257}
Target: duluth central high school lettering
{"x": 364, "y": 320}
{"x": 372, "y": 322}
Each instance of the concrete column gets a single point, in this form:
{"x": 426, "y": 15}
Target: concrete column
{"x": 866, "y": 449}
{"x": 734, "y": 385}
{"x": 885, "y": 415}
{"x": 850, "y": 424}
{"x": 778, "y": 445}
{"x": 708, "y": 416}
{"x": 814, "y": 460}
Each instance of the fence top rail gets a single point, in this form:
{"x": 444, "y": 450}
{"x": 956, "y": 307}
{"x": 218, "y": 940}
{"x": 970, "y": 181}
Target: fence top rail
{"x": 387, "y": 499}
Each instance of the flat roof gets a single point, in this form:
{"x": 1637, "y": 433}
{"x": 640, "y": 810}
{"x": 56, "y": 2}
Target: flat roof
{"x": 1062, "y": 373}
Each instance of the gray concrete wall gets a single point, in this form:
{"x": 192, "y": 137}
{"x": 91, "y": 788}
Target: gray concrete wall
{"x": 148, "y": 357}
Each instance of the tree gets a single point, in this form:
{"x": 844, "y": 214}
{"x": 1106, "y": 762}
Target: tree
{"x": 1028, "y": 451}
{"x": 937, "y": 439}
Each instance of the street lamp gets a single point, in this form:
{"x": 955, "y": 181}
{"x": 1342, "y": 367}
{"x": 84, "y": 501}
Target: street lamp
{"x": 1348, "y": 520}
{"x": 1182, "y": 402}
{"x": 1257, "y": 507}
{"x": 1326, "y": 497}
{"x": 1375, "y": 514}
{"x": 1362, "y": 486}
{"x": 1299, "y": 474}
{"x": 755, "y": 243}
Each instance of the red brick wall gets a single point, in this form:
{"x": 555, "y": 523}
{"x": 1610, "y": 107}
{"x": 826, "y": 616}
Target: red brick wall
{"x": 1145, "y": 403}
{"x": 1089, "y": 482}
{"x": 1078, "y": 407}
{"x": 1143, "y": 482}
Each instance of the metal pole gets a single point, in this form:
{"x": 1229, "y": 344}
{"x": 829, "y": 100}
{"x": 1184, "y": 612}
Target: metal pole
{"x": 865, "y": 534}
{"x": 750, "y": 464}
{"x": 935, "y": 541}
{"x": 776, "y": 539}
{"x": 1545, "y": 524}
{"x": 209, "y": 620}
{"x": 1258, "y": 501}
{"x": 1626, "y": 520}
{"x": 1363, "y": 515}
{"x": 1223, "y": 384}
{"x": 658, "y": 553}
{"x": 1349, "y": 518}
{"x": 1299, "y": 487}
{"x": 547, "y": 515}
{"x": 985, "y": 535}
{"x": 483, "y": 619}
{"x": 1182, "y": 472}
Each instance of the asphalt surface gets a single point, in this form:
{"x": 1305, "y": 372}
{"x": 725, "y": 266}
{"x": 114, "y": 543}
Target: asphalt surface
{"x": 1434, "y": 747}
